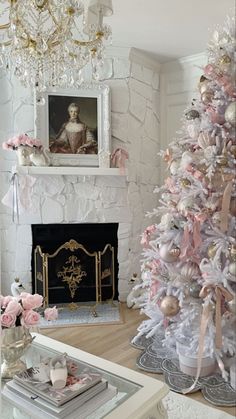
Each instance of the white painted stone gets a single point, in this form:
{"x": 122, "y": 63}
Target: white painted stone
{"x": 121, "y": 68}
{"x": 123, "y": 251}
{"x": 119, "y": 126}
{"x": 141, "y": 88}
{"x": 23, "y": 263}
{"x": 114, "y": 215}
{"x": 120, "y": 96}
{"x": 77, "y": 209}
{"x": 124, "y": 230}
{"x": 6, "y": 90}
{"x": 84, "y": 190}
{"x": 52, "y": 211}
{"x": 111, "y": 181}
{"x": 136, "y": 71}
{"x": 50, "y": 185}
{"x": 137, "y": 106}
{"x": 151, "y": 125}
{"x": 149, "y": 150}
{"x": 24, "y": 234}
{"x": 24, "y": 115}
{"x": 7, "y": 119}
{"x": 29, "y": 218}
{"x": 8, "y": 238}
{"x": 111, "y": 196}
{"x": 147, "y": 75}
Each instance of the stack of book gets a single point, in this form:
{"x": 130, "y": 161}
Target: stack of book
{"x": 85, "y": 392}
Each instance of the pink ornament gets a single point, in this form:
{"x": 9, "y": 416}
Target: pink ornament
{"x": 215, "y": 117}
{"x": 51, "y": 313}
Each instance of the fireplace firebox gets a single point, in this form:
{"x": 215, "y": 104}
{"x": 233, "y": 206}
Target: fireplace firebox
{"x": 75, "y": 263}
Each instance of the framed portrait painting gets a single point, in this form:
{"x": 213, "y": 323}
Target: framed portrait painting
{"x": 74, "y": 125}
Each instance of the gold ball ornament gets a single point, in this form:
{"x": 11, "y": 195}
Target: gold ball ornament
{"x": 232, "y": 206}
{"x": 233, "y": 150}
{"x": 222, "y": 160}
{"x": 185, "y": 183}
{"x": 204, "y": 86}
{"x": 211, "y": 251}
{"x": 230, "y": 114}
{"x": 169, "y": 306}
{"x": 207, "y": 97}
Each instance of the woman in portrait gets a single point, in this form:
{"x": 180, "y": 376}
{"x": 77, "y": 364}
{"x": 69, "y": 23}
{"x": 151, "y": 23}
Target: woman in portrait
{"x": 74, "y": 136}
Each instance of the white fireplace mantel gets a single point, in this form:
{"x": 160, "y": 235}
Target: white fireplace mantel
{"x": 69, "y": 170}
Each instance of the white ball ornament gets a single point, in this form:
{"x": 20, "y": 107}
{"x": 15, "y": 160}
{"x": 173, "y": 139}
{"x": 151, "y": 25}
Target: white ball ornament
{"x": 169, "y": 254}
{"x": 174, "y": 167}
{"x": 232, "y": 270}
{"x": 230, "y": 114}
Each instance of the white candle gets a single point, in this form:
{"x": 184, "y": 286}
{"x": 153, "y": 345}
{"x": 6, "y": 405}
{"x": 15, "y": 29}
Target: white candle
{"x": 233, "y": 375}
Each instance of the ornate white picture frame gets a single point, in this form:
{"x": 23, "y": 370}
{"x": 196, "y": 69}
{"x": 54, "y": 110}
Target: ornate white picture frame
{"x": 74, "y": 125}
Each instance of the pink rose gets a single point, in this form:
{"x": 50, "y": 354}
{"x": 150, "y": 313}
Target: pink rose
{"x": 51, "y": 313}
{"x": 29, "y": 302}
{"x": 8, "y": 320}
{"x": 5, "y": 301}
{"x": 13, "y": 308}
{"x": 29, "y": 318}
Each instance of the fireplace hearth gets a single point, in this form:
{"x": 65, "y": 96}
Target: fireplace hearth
{"x": 75, "y": 263}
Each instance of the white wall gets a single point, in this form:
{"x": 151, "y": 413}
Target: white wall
{"x": 134, "y": 83}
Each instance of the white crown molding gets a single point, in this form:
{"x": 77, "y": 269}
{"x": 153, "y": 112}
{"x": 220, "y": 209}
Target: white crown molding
{"x": 184, "y": 61}
{"x": 143, "y": 58}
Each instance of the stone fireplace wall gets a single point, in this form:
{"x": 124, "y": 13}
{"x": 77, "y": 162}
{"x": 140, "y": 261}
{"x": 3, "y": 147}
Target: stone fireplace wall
{"x": 134, "y": 83}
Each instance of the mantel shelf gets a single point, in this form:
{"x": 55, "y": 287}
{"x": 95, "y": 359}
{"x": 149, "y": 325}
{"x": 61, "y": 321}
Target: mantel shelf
{"x": 69, "y": 170}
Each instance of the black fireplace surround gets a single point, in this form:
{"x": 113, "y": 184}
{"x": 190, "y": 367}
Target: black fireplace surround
{"x": 94, "y": 237}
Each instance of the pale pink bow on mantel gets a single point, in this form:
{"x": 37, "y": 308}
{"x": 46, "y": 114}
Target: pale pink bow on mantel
{"x": 118, "y": 158}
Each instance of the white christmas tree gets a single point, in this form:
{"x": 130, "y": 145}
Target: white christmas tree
{"x": 189, "y": 257}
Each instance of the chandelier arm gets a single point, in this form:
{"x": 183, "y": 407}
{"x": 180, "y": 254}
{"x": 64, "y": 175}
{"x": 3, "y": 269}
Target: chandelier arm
{"x": 5, "y": 44}
{"x": 90, "y": 43}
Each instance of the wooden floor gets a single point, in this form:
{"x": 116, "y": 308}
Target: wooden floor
{"x": 112, "y": 343}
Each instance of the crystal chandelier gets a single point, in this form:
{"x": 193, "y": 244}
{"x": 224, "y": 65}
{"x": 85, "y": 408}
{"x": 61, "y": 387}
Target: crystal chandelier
{"x": 47, "y": 43}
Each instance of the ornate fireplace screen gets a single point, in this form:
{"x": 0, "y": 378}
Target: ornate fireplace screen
{"x": 74, "y": 275}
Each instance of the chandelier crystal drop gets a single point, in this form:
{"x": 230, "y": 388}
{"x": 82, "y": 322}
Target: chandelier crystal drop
{"x": 46, "y": 43}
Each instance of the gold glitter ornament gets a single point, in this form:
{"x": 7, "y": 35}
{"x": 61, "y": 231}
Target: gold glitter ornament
{"x": 225, "y": 59}
{"x": 185, "y": 182}
{"x": 194, "y": 289}
{"x": 222, "y": 160}
{"x": 233, "y": 252}
{"x": 192, "y": 114}
{"x": 211, "y": 251}
{"x": 169, "y": 306}
{"x": 204, "y": 86}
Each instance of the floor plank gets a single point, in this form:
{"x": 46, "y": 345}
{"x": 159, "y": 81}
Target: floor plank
{"x": 112, "y": 342}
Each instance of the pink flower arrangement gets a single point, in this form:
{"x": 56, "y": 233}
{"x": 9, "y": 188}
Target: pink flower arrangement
{"x": 21, "y": 140}
{"x": 22, "y": 310}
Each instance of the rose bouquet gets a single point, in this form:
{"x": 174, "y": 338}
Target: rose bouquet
{"x": 21, "y": 140}
{"x": 24, "y": 310}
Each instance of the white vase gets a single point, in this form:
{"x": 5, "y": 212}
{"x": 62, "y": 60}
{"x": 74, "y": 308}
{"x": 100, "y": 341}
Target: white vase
{"x": 23, "y": 155}
{"x": 188, "y": 364}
